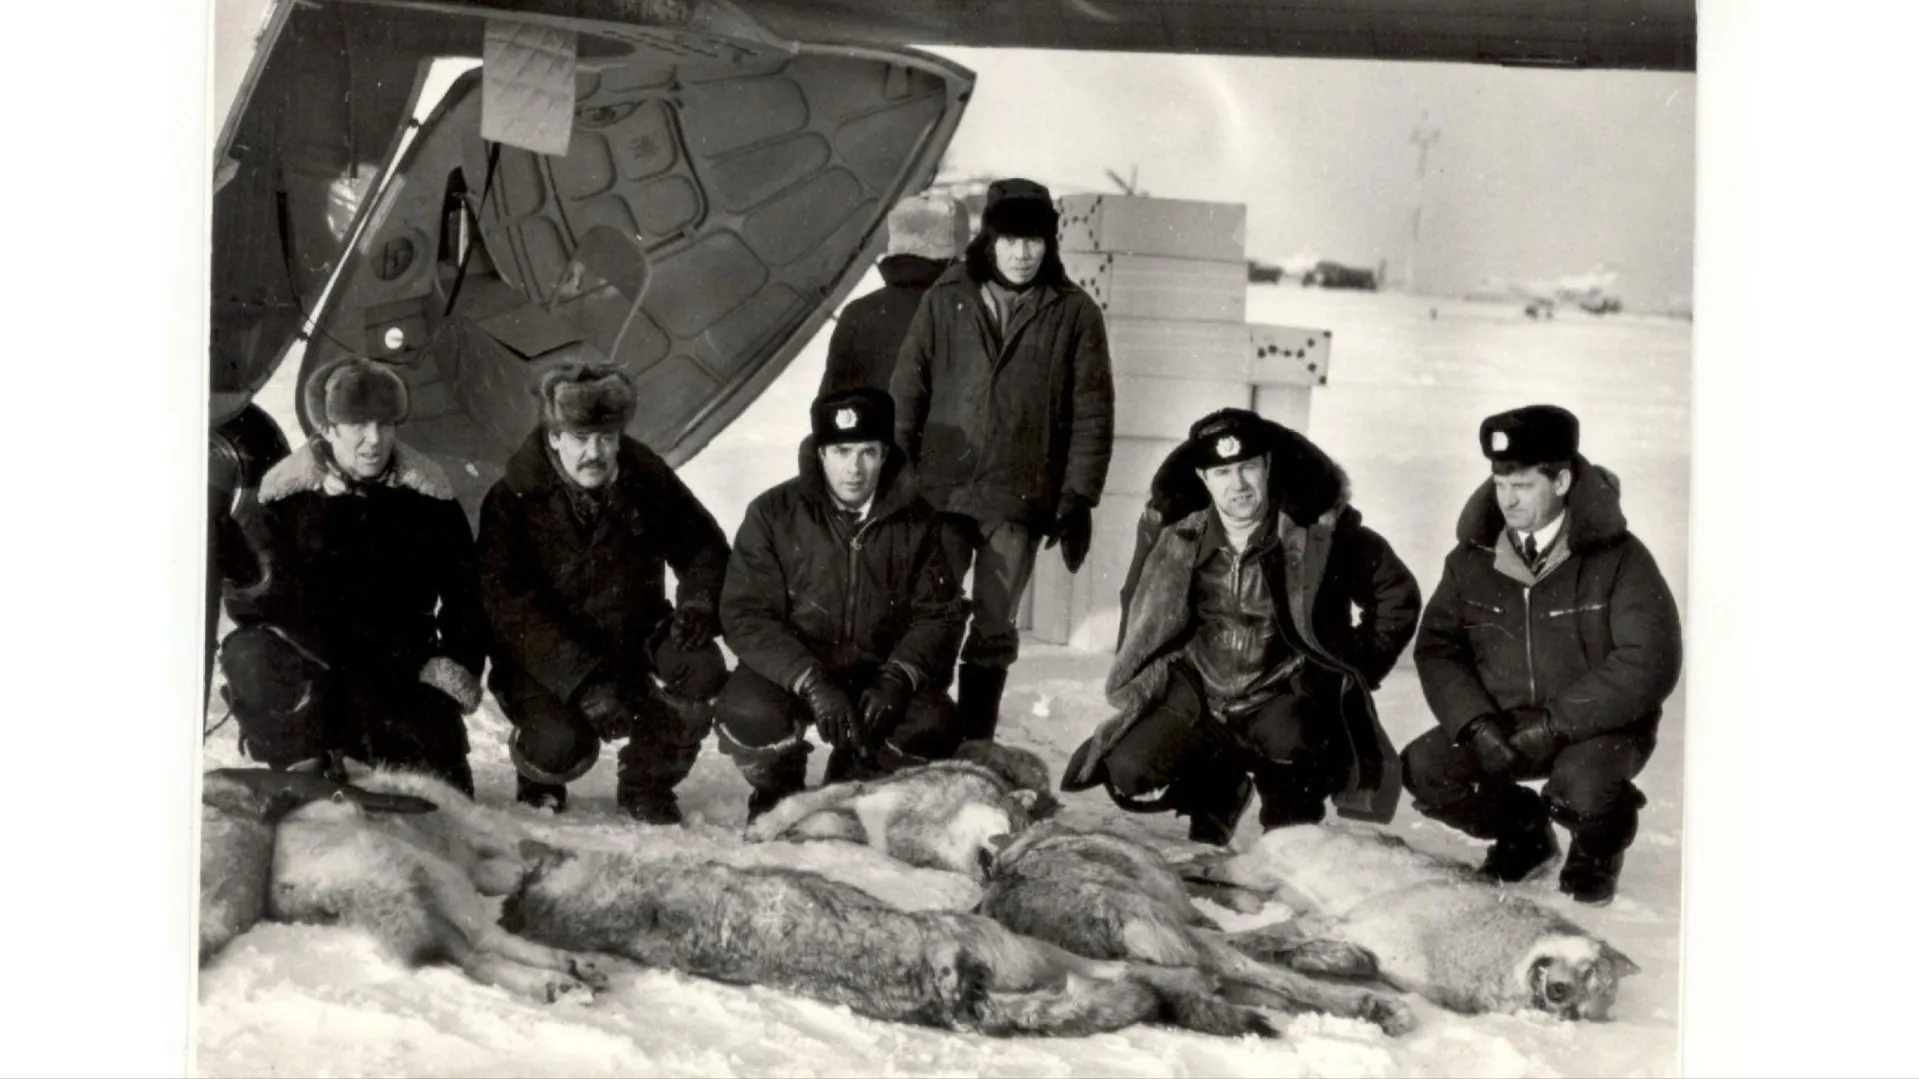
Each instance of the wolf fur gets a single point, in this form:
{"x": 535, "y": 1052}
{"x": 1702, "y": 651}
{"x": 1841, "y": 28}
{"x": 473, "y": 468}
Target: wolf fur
{"x": 803, "y": 933}
{"x": 240, "y": 808}
{"x": 418, "y": 885}
{"x": 1106, "y": 897}
{"x": 1435, "y": 929}
{"x": 949, "y": 814}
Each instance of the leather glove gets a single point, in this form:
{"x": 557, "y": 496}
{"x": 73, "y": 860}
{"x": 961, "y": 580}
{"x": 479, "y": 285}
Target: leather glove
{"x": 883, "y": 703}
{"x": 832, "y": 709}
{"x": 693, "y": 629}
{"x": 1072, "y": 530}
{"x": 1489, "y": 744}
{"x": 605, "y": 711}
{"x": 1534, "y": 736}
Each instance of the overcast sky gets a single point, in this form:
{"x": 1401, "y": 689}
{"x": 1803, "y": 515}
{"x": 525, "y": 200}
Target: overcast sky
{"x": 1535, "y": 173}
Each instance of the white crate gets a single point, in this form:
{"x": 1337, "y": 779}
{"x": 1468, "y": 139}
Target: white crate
{"x": 1184, "y": 348}
{"x": 1166, "y": 407}
{"x": 1149, "y": 286}
{"x": 1137, "y": 225}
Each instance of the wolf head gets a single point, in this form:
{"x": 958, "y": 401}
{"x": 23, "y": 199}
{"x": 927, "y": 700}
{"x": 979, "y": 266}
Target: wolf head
{"x": 1022, "y": 769}
{"x": 1575, "y": 977}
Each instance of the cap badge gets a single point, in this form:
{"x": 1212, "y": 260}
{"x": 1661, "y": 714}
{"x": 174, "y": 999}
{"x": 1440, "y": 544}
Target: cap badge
{"x": 845, "y": 418}
{"x": 1500, "y": 441}
{"x": 1227, "y": 446}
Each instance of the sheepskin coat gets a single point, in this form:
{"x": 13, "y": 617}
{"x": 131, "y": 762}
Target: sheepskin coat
{"x": 1349, "y": 605}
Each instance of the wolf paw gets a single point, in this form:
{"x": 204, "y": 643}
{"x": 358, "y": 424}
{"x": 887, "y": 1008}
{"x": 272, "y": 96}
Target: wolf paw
{"x": 589, "y": 971}
{"x": 1335, "y": 957}
{"x": 763, "y": 829}
{"x": 1390, "y": 1015}
{"x": 563, "y": 989}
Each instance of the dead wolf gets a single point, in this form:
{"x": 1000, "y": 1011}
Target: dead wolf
{"x": 240, "y": 807}
{"x": 1107, "y": 897}
{"x": 949, "y": 814}
{"x": 418, "y": 884}
{"x": 803, "y": 933}
{"x": 1435, "y": 929}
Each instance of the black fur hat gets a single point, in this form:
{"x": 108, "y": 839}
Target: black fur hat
{"x": 863, "y": 414}
{"x": 1226, "y": 436}
{"x": 586, "y": 396}
{"x": 1016, "y": 207}
{"x": 355, "y": 390}
{"x": 1531, "y": 435}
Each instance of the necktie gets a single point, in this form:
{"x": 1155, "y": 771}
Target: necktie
{"x": 1532, "y": 552}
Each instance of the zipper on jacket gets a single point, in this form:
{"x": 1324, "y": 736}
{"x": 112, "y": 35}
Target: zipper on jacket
{"x": 1532, "y": 684}
{"x": 853, "y": 580}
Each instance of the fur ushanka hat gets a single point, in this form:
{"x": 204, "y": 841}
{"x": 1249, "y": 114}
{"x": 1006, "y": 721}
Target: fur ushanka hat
{"x": 586, "y": 397}
{"x": 355, "y": 390}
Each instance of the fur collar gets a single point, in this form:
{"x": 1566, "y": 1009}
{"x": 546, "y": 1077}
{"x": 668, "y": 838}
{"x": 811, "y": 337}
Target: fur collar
{"x": 1304, "y": 484}
{"x": 898, "y": 488}
{"x": 911, "y": 271}
{"x": 305, "y": 470}
{"x": 1596, "y": 520}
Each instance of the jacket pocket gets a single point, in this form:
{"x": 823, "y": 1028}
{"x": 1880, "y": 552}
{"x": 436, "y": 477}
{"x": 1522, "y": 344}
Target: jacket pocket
{"x": 1579, "y": 609}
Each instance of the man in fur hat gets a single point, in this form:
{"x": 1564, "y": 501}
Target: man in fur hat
{"x": 1550, "y": 645}
{"x": 924, "y": 234}
{"x": 842, "y": 609}
{"x": 1240, "y": 664}
{"x": 1005, "y": 398}
{"x": 364, "y": 635}
{"x": 575, "y": 539}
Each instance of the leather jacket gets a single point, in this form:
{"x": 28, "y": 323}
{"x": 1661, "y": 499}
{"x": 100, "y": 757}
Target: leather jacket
{"x": 1238, "y": 651}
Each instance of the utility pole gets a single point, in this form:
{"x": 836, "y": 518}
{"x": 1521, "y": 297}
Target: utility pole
{"x": 1423, "y": 136}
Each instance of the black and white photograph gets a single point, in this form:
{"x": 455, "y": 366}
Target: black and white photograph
{"x": 984, "y": 538}
{"x": 1090, "y": 538}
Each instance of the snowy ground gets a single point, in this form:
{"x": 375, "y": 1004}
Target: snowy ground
{"x": 1411, "y": 379}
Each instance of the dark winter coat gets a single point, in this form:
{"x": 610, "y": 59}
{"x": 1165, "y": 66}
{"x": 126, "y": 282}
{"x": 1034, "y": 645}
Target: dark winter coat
{"x": 1329, "y": 566}
{"x": 1594, "y": 638}
{"x": 373, "y": 583}
{"x": 1001, "y": 433}
{"x": 866, "y": 339}
{"x": 567, "y": 601}
{"x": 797, "y": 593}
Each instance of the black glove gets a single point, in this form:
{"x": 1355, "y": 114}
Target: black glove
{"x": 1489, "y": 744}
{"x": 883, "y": 703}
{"x": 693, "y": 629}
{"x": 1534, "y": 736}
{"x": 605, "y": 711}
{"x": 832, "y": 710}
{"x": 1072, "y": 530}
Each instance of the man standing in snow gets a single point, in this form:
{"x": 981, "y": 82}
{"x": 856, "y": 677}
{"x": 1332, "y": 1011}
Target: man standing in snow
{"x": 1238, "y": 650}
{"x": 924, "y": 234}
{"x": 362, "y": 635}
{"x": 574, "y": 543}
{"x": 840, "y": 605}
{"x": 1548, "y": 650}
{"x": 1005, "y": 398}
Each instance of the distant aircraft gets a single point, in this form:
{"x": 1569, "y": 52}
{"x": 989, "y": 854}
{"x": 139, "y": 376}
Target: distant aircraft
{"x": 1591, "y": 292}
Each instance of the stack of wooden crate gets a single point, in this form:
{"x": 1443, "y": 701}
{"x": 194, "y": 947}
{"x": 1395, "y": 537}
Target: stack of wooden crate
{"x": 1170, "y": 276}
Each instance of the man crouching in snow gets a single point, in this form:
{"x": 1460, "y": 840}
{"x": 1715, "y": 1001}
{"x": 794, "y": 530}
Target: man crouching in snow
{"x": 1238, "y": 647}
{"x": 1550, "y": 645}
{"x": 365, "y": 635}
{"x": 575, "y": 539}
{"x": 843, "y": 611}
